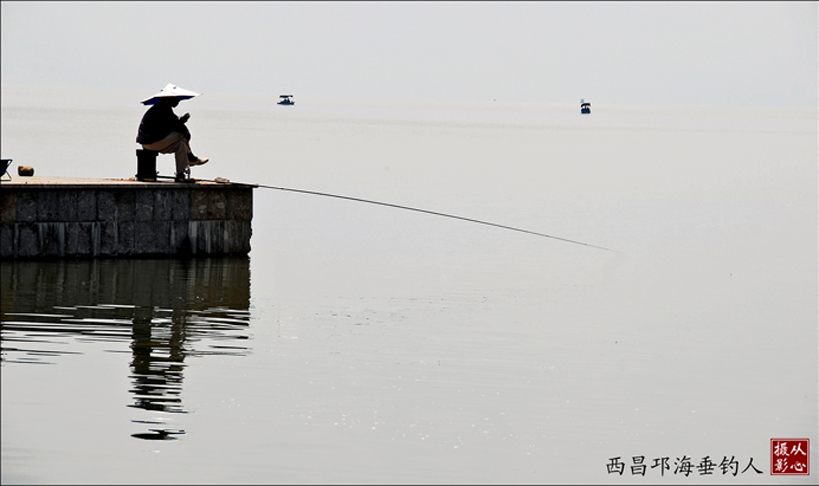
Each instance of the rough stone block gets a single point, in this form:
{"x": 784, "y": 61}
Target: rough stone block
{"x": 52, "y": 239}
{"x": 239, "y": 205}
{"x": 47, "y": 206}
{"x": 144, "y": 205}
{"x": 179, "y": 237}
{"x": 106, "y": 206}
{"x": 125, "y": 238}
{"x": 26, "y": 206}
{"x": 228, "y": 231}
{"x": 232, "y": 202}
{"x": 216, "y": 205}
{"x": 108, "y": 238}
{"x": 152, "y": 238}
{"x": 86, "y": 205}
{"x": 162, "y": 234}
{"x": 67, "y": 206}
{"x": 247, "y": 204}
{"x": 203, "y": 243}
{"x": 163, "y": 205}
{"x": 144, "y": 238}
{"x": 218, "y": 237}
{"x": 6, "y": 240}
{"x": 71, "y": 235}
{"x": 199, "y": 205}
{"x": 238, "y": 208}
{"x": 247, "y": 234}
{"x": 126, "y": 203}
{"x": 28, "y": 240}
{"x": 87, "y": 239}
{"x": 181, "y": 205}
{"x": 8, "y": 206}
{"x": 233, "y": 236}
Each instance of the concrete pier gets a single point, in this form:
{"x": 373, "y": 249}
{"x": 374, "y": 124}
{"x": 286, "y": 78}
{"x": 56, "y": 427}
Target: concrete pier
{"x": 50, "y": 217}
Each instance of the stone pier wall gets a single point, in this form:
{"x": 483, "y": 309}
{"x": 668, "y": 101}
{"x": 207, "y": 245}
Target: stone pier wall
{"x": 124, "y": 219}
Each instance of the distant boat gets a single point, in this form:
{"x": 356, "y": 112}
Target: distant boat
{"x": 585, "y": 107}
{"x": 285, "y": 100}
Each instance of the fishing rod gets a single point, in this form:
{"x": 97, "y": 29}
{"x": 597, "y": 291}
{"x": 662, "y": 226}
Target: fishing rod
{"x": 418, "y": 210}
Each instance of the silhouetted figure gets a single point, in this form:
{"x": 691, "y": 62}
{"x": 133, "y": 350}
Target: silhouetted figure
{"x": 162, "y": 131}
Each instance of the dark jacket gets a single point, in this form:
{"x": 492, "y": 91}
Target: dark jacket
{"x": 158, "y": 122}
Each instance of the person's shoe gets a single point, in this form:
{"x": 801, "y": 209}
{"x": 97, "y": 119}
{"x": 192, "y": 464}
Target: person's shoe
{"x": 183, "y": 179}
{"x": 194, "y": 160}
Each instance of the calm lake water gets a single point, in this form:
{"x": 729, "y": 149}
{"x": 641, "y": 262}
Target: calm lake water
{"x": 366, "y": 344}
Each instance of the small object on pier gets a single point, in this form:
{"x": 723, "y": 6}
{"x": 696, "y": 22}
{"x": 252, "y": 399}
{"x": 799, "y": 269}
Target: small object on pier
{"x": 221, "y": 180}
{"x": 25, "y": 171}
{"x": 585, "y": 107}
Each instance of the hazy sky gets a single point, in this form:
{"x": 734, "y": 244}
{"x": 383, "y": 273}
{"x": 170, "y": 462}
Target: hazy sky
{"x": 673, "y": 53}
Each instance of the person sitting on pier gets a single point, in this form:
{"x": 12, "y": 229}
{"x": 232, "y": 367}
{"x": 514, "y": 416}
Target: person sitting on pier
{"x": 162, "y": 131}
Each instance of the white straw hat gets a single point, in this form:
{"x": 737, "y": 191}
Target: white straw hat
{"x": 170, "y": 91}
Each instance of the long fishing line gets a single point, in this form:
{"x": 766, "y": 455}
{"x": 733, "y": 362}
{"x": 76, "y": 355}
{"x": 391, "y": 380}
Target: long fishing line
{"x": 436, "y": 213}
{"x": 418, "y": 210}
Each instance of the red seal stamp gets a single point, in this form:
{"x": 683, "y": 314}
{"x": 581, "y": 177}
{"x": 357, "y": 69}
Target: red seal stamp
{"x": 790, "y": 457}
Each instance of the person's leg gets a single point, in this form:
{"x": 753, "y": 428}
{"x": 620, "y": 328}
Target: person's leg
{"x": 181, "y": 155}
{"x": 175, "y": 143}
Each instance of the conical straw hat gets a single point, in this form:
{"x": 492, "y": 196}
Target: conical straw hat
{"x": 170, "y": 91}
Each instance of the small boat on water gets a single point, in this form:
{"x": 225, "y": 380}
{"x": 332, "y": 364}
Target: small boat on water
{"x": 285, "y": 100}
{"x": 585, "y": 107}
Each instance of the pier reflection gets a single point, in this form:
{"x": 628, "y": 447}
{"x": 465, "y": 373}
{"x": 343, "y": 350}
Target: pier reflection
{"x": 167, "y": 310}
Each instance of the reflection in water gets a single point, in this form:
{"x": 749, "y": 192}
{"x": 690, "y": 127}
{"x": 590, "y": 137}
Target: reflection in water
{"x": 158, "y": 361}
{"x": 167, "y": 309}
